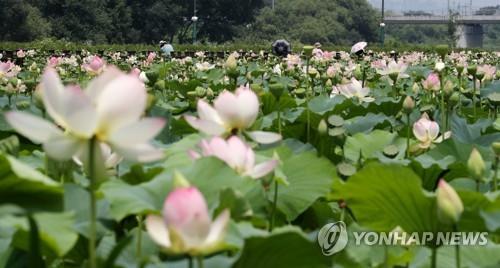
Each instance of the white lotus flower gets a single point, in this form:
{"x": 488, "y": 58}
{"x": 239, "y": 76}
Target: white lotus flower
{"x": 238, "y": 155}
{"x": 353, "y": 89}
{"x": 231, "y": 114}
{"x": 427, "y": 132}
{"x": 108, "y": 111}
{"x": 394, "y": 69}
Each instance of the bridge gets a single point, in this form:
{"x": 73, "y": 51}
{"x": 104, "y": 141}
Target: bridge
{"x": 469, "y": 27}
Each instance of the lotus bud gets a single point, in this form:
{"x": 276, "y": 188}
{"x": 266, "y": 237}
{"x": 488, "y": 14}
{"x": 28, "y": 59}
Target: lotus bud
{"x": 322, "y": 127}
{"x": 476, "y": 165}
{"x": 308, "y": 51}
{"x": 200, "y": 91}
{"x": 329, "y": 83}
{"x": 408, "y": 104}
{"x": 449, "y": 205}
{"x": 210, "y": 93}
{"x": 448, "y": 87}
{"x": 231, "y": 62}
{"x": 159, "y": 85}
{"x": 455, "y": 98}
{"x": 496, "y": 148}
{"x": 415, "y": 89}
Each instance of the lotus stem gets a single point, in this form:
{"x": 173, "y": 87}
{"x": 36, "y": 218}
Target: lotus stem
{"x": 308, "y": 113}
{"x": 457, "y": 249}
{"x": 408, "y": 133}
{"x": 495, "y": 174}
{"x": 93, "y": 207}
{"x": 275, "y": 201}
{"x": 434, "y": 258}
{"x": 200, "y": 261}
{"x": 139, "y": 238}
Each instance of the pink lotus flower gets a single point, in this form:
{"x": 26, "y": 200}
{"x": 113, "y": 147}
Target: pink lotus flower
{"x": 95, "y": 66}
{"x": 331, "y": 71}
{"x": 20, "y": 54}
{"x": 151, "y": 57}
{"x": 427, "y": 132}
{"x": 353, "y": 89}
{"x": 293, "y": 61}
{"x": 186, "y": 226}
{"x": 8, "y": 69}
{"x": 53, "y": 62}
{"x": 432, "y": 82}
{"x": 232, "y": 113}
{"x": 237, "y": 155}
{"x": 489, "y": 71}
{"x": 108, "y": 111}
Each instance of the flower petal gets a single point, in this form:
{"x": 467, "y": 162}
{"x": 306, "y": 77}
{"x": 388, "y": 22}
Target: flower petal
{"x": 263, "y": 169}
{"x": 157, "y": 230}
{"x": 63, "y": 147}
{"x": 139, "y": 152}
{"x": 34, "y": 128}
{"x": 121, "y": 103}
{"x": 218, "y": 228}
{"x": 205, "y": 126}
{"x": 207, "y": 112}
{"x": 97, "y": 85}
{"x": 140, "y": 132}
{"x": 264, "y": 137}
{"x": 52, "y": 89}
{"x": 78, "y": 113}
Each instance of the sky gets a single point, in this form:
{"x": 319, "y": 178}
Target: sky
{"x": 438, "y": 6}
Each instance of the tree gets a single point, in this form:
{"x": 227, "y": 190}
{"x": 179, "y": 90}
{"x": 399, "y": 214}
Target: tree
{"x": 20, "y": 21}
{"x": 310, "y": 21}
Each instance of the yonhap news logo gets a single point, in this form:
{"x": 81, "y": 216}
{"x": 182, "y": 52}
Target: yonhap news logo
{"x": 332, "y": 238}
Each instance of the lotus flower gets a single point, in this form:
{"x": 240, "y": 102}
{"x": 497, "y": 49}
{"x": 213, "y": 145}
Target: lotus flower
{"x": 20, "y": 54}
{"x": 8, "y": 69}
{"x": 395, "y": 70}
{"x": 489, "y": 71}
{"x": 293, "y": 60}
{"x": 108, "y": 111}
{"x": 353, "y": 89}
{"x": 95, "y": 66}
{"x": 110, "y": 158}
{"x": 53, "y": 62}
{"x": 432, "y": 82}
{"x": 237, "y": 155}
{"x": 205, "y": 66}
{"x": 358, "y": 47}
{"x": 151, "y": 57}
{"x": 427, "y": 132}
{"x": 232, "y": 113}
{"x": 186, "y": 226}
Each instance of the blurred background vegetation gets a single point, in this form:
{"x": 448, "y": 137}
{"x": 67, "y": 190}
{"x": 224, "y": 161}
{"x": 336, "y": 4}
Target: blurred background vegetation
{"x": 332, "y": 22}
